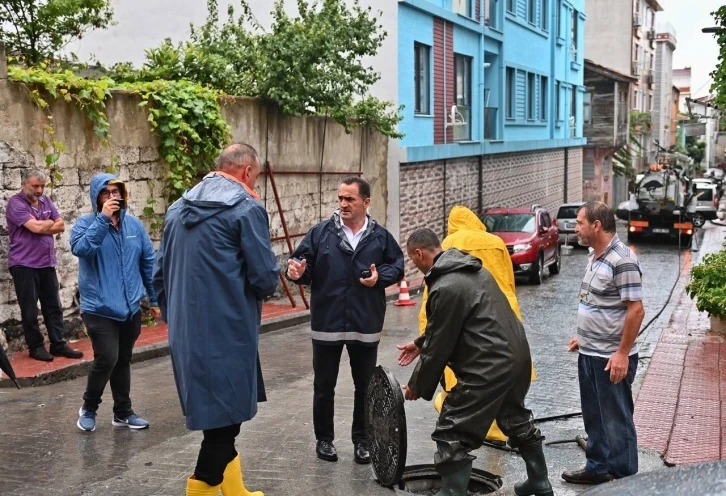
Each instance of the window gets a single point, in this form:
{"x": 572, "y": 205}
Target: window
{"x": 422, "y": 77}
{"x": 587, "y": 107}
{"x": 543, "y": 92}
{"x": 650, "y": 104}
{"x": 531, "y": 96}
{"x": 623, "y": 110}
{"x": 573, "y": 117}
{"x": 573, "y": 37}
{"x": 462, "y": 76}
{"x": 544, "y": 24}
{"x": 560, "y": 31}
{"x": 511, "y": 88}
{"x": 510, "y": 6}
{"x": 532, "y": 11}
{"x": 546, "y": 221}
{"x": 558, "y": 106}
{"x": 462, "y": 7}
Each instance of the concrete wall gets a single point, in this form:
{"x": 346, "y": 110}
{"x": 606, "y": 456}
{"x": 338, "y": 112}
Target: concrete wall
{"x": 609, "y": 33}
{"x": 663, "y": 98}
{"x": 430, "y": 189}
{"x": 290, "y": 144}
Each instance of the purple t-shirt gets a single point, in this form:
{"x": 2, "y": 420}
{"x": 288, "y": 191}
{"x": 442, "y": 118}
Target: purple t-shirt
{"x": 28, "y": 249}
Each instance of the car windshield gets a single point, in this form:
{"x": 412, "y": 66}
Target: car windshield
{"x": 509, "y": 222}
{"x": 567, "y": 213}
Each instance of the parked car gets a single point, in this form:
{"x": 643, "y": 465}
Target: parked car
{"x": 706, "y": 199}
{"x": 531, "y": 237}
{"x": 566, "y": 222}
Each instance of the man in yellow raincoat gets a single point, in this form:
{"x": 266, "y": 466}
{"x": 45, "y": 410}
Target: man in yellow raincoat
{"x": 468, "y": 233}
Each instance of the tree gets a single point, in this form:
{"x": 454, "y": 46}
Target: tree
{"x": 309, "y": 64}
{"x": 37, "y": 29}
{"x": 695, "y": 149}
{"x": 719, "y": 74}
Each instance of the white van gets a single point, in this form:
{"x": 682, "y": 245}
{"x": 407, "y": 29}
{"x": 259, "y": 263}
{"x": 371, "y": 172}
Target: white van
{"x": 705, "y": 198}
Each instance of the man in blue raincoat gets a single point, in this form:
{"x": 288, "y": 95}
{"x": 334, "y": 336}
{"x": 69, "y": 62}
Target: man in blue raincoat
{"x": 115, "y": 265}
{"x": 214, "y": 267}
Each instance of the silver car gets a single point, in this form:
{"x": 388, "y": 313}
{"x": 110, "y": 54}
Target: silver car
{"x": 566, "y": 222}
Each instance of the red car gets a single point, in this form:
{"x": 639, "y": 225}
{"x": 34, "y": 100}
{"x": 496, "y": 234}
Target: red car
{"x": 531, "y": 237}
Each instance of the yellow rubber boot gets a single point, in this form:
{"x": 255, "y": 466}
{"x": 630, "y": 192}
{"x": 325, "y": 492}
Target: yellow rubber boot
{"x": 495, "y": 434}
{"x": 233, "y": 483}
{"x": 199, "y": 488}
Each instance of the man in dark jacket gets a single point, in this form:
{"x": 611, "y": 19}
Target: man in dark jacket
{"x": 214, "y": 267}
{"x": 115, "y": 263}
{"x": 472, "y": 329}
{"x": 348, "y": 261}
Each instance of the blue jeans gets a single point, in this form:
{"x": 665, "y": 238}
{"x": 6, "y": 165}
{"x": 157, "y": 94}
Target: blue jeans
{"x": 607, "y": 410}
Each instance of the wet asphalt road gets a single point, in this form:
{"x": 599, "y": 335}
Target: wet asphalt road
{"x": 43, "y": 453}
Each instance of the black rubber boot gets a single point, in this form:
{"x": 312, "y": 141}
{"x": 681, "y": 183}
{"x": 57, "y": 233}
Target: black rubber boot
{"x": 537, "y": 483}
{"x": 456, "y": 484}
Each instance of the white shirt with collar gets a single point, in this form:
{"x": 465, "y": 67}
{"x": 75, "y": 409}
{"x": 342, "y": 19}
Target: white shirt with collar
{"x": 354, "y": 239}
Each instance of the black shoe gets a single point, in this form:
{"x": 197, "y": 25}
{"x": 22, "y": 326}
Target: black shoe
{"x": 41, "y": 354}
{"x": 361, "y": 454}
{"x": 326, "y": 451}
{"x": 67, "y": 352}
{"x": 582, "y": 476}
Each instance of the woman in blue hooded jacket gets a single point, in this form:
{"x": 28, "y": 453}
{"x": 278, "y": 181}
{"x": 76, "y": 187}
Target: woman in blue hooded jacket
{"x": 115, "y": 264}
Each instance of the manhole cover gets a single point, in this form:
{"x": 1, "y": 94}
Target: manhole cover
{"x": 385, "y": 423}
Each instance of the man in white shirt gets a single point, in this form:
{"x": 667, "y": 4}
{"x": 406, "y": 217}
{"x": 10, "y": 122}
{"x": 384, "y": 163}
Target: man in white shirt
{"x": 348, "y": 261}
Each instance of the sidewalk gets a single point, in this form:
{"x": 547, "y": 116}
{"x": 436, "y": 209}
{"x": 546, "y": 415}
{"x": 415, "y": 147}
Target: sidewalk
{"x": 678, "y": 411}
{"x": 153, "y": 343}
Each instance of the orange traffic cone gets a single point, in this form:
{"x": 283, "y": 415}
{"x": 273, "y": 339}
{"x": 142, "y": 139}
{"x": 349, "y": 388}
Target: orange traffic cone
{"x": 403, "y": 299}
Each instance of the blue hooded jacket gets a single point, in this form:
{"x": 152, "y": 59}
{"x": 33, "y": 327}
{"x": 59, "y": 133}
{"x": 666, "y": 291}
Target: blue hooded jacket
{"x": 115, "y": 266}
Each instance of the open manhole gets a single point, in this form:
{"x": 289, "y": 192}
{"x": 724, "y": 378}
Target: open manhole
{"x": 385, "y": 421}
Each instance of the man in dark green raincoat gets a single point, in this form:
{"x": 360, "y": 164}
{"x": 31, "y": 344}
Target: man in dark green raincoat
{"x": 214, "y": 268}
{"x": 473, "y": 330}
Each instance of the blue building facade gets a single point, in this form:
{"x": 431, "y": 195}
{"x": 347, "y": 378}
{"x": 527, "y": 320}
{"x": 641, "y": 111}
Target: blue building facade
{"x": 517, "y": 77}
{"x": 489, "y": 86}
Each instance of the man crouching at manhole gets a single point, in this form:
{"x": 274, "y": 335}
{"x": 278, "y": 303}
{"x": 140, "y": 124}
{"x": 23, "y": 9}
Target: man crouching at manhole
{"x": 472, "y": 329}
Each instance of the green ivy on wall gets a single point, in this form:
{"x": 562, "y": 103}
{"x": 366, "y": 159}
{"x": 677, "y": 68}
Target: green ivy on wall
{"x": 185, "y": 116}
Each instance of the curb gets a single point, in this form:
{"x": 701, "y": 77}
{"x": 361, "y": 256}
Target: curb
{"x": 150, "y": 352}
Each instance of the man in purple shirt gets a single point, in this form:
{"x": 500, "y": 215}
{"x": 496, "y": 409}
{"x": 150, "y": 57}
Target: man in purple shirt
{"x": 32, "y": 222}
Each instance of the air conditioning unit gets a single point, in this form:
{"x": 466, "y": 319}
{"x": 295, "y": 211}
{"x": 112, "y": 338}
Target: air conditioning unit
{"x": 636, "y": 69}
{"x": 637, "y": 21}
{"x": 651, "y": 34}
{"x": 455, "y": 118}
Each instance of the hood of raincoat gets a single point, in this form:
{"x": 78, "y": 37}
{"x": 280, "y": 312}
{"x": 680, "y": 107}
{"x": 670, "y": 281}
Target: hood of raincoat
{"x": 210, "y": 197}
{"x": 453, "y": 260}
{"x": 100, "y": 181}
{"x": 463, "y": 219}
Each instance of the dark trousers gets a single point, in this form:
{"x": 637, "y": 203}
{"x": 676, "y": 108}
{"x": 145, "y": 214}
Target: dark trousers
{"x": 607, "y": 411}
{"x": 113, "y": 343}
{"x": 215, "y": 454}
{"x": 468, "y": 412}
{"x": 32, "y": 285}
{"x": 326, "y": 363}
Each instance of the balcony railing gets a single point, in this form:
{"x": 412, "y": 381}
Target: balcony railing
{"x": 490, "y": 123}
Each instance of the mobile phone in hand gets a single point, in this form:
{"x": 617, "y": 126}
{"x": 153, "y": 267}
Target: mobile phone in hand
{"x": 365, "y": 274}
{"x": 121, "y": 203}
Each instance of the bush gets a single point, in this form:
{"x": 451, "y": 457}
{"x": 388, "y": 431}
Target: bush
{"x": 708, "y": 284}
